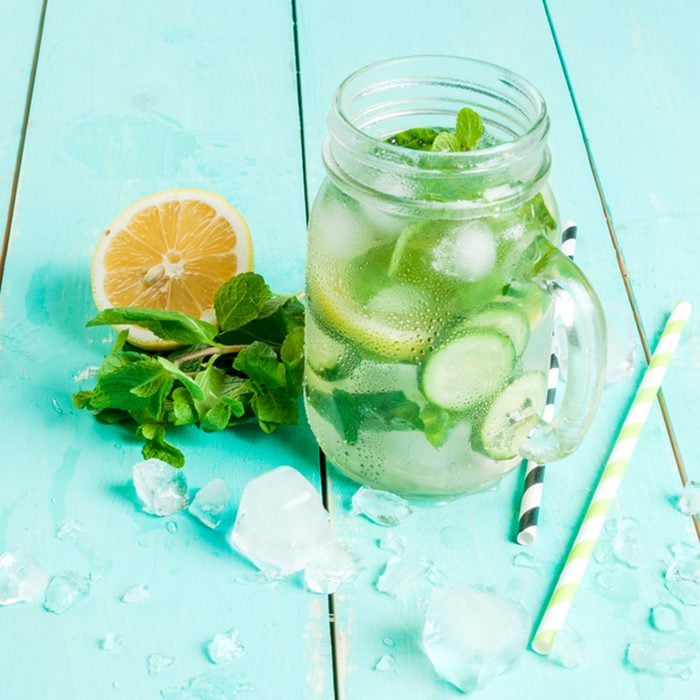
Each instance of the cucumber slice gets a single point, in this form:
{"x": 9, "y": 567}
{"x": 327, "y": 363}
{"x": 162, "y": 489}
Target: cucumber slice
{"x": 506, "y": 318}
{"x": 511, "y": 416}
{"x": 468, "y": 368}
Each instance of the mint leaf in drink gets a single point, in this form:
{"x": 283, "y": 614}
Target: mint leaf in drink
{"x": 447, "y": 141}
{"x": 541, "y": 213}
{"x": 436, "y": 423}
{"x": 168, "y": 325}
{"x": 259, "y": 361}
{"x": 470, "y": 128}
{"x": 241, "y": 300}
{"x": 420, "y": 139}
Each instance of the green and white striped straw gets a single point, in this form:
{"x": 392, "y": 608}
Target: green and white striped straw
{"x": 604, "y": 496}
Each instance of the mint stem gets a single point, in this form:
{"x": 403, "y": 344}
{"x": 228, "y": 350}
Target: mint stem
{"x": 206, "y": 352}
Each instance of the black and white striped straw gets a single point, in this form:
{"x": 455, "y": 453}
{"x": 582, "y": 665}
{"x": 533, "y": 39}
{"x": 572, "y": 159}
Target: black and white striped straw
{"x": 534, "y": 473}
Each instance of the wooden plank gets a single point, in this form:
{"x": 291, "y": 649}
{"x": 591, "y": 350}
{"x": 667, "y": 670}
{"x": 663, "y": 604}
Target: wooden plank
{"x": 132, "y": 98}
{"x": 652, "y": 191}
{"x": 470, "y": 538}
{"x": 19, "y": 24}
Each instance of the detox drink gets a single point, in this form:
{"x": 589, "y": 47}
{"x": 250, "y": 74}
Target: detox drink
{"x": 426, "y": 344}
{"x": 432, "y": 281}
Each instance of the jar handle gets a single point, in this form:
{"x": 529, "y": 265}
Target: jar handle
{"x": 581, "y": 315}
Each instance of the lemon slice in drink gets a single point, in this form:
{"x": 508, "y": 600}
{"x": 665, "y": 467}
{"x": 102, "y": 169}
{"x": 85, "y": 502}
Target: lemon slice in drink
{"x": 392, "y": 319}
{"x": 171, "y": 250}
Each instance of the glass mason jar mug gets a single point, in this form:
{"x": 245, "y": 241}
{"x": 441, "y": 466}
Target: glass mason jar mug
{"x": 432, "y": 283}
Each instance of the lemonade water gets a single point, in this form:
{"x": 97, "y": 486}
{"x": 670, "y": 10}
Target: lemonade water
{"x": 386, "y": 294}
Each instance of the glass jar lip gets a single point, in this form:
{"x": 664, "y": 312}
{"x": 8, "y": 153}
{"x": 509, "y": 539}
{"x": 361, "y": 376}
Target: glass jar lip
{"x": 536, "y": 131}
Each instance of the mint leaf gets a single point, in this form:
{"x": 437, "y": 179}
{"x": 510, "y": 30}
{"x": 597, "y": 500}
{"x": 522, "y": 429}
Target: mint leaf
{"x": 216, "y": 418}
{"x": 240, "y": 300}
{"x": 168, "y": 325}
{"x": 446, "y": 141}
{"x": 350, "y": 413}
{"x": 157, "y": 447}
{"x": 273, "y": 408}
{"x": 112, "y": 416}
{"x": 273, "y": 303}
{"x": 182, "y": 411}
{"x": 436, "y": 424}
{"x": 117, "y": 360}
{"x": 272, "y": 329}
{"x": 292, "y": 354}
{"x": 420, "y": 139}
{"x": 215, "y": 383}
{"x": 138, "y": 388}
{"x": 470, "y": 128}
{"x": 259, "y": 361}
{"x": 81, "y": 399}
{"x": 176, "y": 373}
{"x": 120, "y": 340}
{"x": 541, "y": 212}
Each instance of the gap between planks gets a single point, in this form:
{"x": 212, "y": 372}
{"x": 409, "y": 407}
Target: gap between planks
{"x": 20, "y": 146}
{"x": 325, "y": 492}
{"x": 620, "y": 259}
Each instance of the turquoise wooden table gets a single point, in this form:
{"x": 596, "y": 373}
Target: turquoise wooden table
{"x": 105, "y": 102}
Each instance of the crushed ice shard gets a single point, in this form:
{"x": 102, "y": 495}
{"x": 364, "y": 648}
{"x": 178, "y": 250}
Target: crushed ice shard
{"x": 225, "y": 646}
{"x": 381, "y": 507}
{"x": 662, "y": 659}
{"x": 331, "y": 567}
{"x": 689, "y": 501}
{"x": 161, "y": 488}
{"x": 471, "y": 636}
{"x": 210, "y": 503}
{"x": 66, "y": 590}
{"x": 281, "y": 522}
{"x": 21, "y": 578}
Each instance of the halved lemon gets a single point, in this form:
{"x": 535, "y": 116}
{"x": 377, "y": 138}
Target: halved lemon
{"x": 171, "y": 250}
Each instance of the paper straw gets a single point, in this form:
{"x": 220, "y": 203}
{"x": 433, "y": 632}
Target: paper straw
{"x": 534, "y": 473}
{"x": 609, "y": 482}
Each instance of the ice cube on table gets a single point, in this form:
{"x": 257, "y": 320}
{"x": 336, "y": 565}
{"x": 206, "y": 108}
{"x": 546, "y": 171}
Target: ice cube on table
{"x": 402, "y": 573}
{"x": 689, "y": 501}
{"x": 161, "y": 488}
{"x": 281, "y": 522}
{"x": 620, "y": 540}
{"x": 70, "y": 531}
{"x": 66, "y": 590}
{"x": 662, "y": 659}
{"x": 381, "y": 507}
{"x": 392, "y": 542}
{"x": 21, "y": 578}
{"x": 225, "y": 646}
{"x": 569, "y": 649}
{"x": 157, "y": 663}
{"x": 386, "y": 664}
{"x": 217, "y": 684}
{"x": 525, "y": 560}
{"x": 111, "y": 642}
{"x": 210, "y": 503}
{"x": 682, "y": 578}
{"x": 665, "y": 618}
{"x": 136, "y": 594}
{"x": 471, "y": 636}
{"x": 333, "y": 566}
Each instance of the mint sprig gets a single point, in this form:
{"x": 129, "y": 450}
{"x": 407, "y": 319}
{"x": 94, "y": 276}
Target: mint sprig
{"x": 247, "y": 365}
